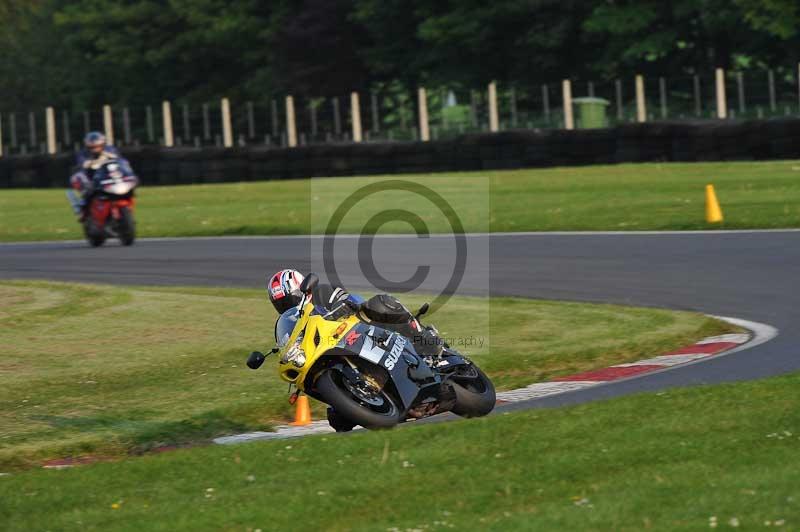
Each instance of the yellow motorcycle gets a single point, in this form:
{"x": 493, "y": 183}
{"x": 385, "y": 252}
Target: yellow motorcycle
{"x": 369, "y": 375}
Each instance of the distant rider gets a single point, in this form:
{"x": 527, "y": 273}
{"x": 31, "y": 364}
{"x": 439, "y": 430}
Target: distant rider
{"x": 95, "y": 152}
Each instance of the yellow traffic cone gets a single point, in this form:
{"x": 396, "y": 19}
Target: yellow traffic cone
{"x": 713, "y": 210}
{"x": 302, "y": 415}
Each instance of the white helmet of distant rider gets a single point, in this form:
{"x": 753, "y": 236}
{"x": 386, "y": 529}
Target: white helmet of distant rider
{"x": 95, "y": 142}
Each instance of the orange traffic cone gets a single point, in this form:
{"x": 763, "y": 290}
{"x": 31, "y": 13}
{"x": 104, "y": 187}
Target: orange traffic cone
{"x": 302, "y": 415}
{"x": 713, "y": 210}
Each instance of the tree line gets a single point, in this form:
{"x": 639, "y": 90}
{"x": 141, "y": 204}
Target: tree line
{"x": 82, "y": 53}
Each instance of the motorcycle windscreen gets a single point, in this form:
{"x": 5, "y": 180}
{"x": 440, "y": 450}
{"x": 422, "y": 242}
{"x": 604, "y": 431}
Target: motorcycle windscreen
{"x": 285, "y": 325}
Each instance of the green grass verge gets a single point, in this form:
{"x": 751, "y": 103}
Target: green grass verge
{"x": 113, "y": 370}
{"x": 679, "y": 460}
{"x": 622, "y": 197}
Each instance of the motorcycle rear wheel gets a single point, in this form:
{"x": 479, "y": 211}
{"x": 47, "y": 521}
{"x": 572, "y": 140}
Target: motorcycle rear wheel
{"x": 475, "y": 395}
{"x": 382, "y": 415}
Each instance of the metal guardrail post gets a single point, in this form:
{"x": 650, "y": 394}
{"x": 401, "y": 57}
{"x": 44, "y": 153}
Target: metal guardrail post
{"x": 227, "y": 129}
{"x": 50, "y": 122}
{"x": 494, "y": 122}
{"x": 355, "y": 116}
{"x": 566, "y": 96}
{"x": 422, "y": 103}
{"x": 641, "y": 106}
{"x": 108, "y": 124}
{"x": 722, "y": 102}
{"x": 166, "y": 115}
{"x": 291, "y": 129}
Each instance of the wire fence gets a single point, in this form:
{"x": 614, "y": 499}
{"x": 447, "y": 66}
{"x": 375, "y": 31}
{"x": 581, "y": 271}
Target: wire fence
{"x": 391, "y": 112}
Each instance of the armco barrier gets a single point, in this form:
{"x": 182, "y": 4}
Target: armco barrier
{"x": 655, "y": 141}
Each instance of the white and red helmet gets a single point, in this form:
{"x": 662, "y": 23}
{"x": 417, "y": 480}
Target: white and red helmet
{"x": 284, "y": 290}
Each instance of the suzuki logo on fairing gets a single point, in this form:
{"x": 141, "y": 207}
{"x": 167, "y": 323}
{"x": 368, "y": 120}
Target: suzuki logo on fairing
{"x": 351, "y": 338}
{"x": 394, "y": 355}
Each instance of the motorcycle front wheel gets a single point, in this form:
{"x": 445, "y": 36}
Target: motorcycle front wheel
{"x": 475, "y": 395}
{"x": 95, "y": 235}
{"x": 372, "y": 411}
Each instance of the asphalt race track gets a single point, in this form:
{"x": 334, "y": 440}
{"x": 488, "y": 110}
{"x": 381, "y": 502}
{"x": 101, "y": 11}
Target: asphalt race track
{"x": 749, "y": 275}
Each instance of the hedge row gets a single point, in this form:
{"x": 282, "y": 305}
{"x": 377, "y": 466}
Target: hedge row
{"x": 657, "y": 141}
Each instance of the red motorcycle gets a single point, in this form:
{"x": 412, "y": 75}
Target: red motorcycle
{"x": 109, "y": 212}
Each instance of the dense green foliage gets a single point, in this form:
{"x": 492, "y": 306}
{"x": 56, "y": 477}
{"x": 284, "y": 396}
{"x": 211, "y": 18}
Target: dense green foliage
{"x": 86, "y": 52}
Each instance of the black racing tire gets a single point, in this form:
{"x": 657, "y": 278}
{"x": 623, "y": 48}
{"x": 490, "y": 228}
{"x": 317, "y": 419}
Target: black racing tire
{"x": 96, "y": 236}
{"x": 331, "y": 389}
{"x": 475, "y": 397}
{"x": 338, "y": 422}
{"x": 126, "y": 226}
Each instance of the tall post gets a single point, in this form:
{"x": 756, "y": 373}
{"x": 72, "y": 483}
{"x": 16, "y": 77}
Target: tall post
{"x": 512, "y": 96}
{"x": 566, "y": 96}
{"x": 108, "y": 124}
{"x": 546, "y": 102}
{"x": 206, "y": 122}
{"x": 65, "y": 128}
{"x": 771, "y": 80}
{"x": 273, "y": 106}
{"x": 722, "y": 102}
{"x": 291, "y": 129}
{"x": 227, "y": 129}
{"x": 590, "y": 89}
{"x": 50, "y": 122}
{"x": 376, "y": 123}
{"x": 12, "y": 125}
{"x": 126, "y": 124}
{"x": 355, "y": 116}
{"x": 251, "y": 121}
{"x": 641, "y": 107}
{"x": 662, "y": 92}
{"x": 33, "y": 138}
{"x": 740, "y": 92}
{"x": 422, "y": 103}
{"x": 698, "y": 105}
{"x": 337, "y": 116}
{"x": 473, "y": 108}
{"x": 312, "y": 110}
{"x": 494, "y": 122}
{"x": 187, "y": 126}
{"x": 618, "y": 93}
{"x": 166, "y": 116}
{"x": 151, "y": 130}
{"x": 798, "y": 87}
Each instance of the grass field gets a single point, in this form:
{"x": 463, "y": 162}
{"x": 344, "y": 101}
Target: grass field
{"x": 111, "y": 371}
{"x": 688, "y": 459}
{"x": 622, "y": 197}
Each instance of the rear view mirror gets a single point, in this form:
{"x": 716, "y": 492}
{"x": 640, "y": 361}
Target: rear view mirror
{"x": 309, "y": 283}
{"x": 255, "y": 360}
{"x": 422, "y": 310}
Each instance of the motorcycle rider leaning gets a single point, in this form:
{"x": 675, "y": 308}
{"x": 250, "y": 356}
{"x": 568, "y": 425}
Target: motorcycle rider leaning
{"x": 284, "y": 293}
{"x": 384, "y": 310}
